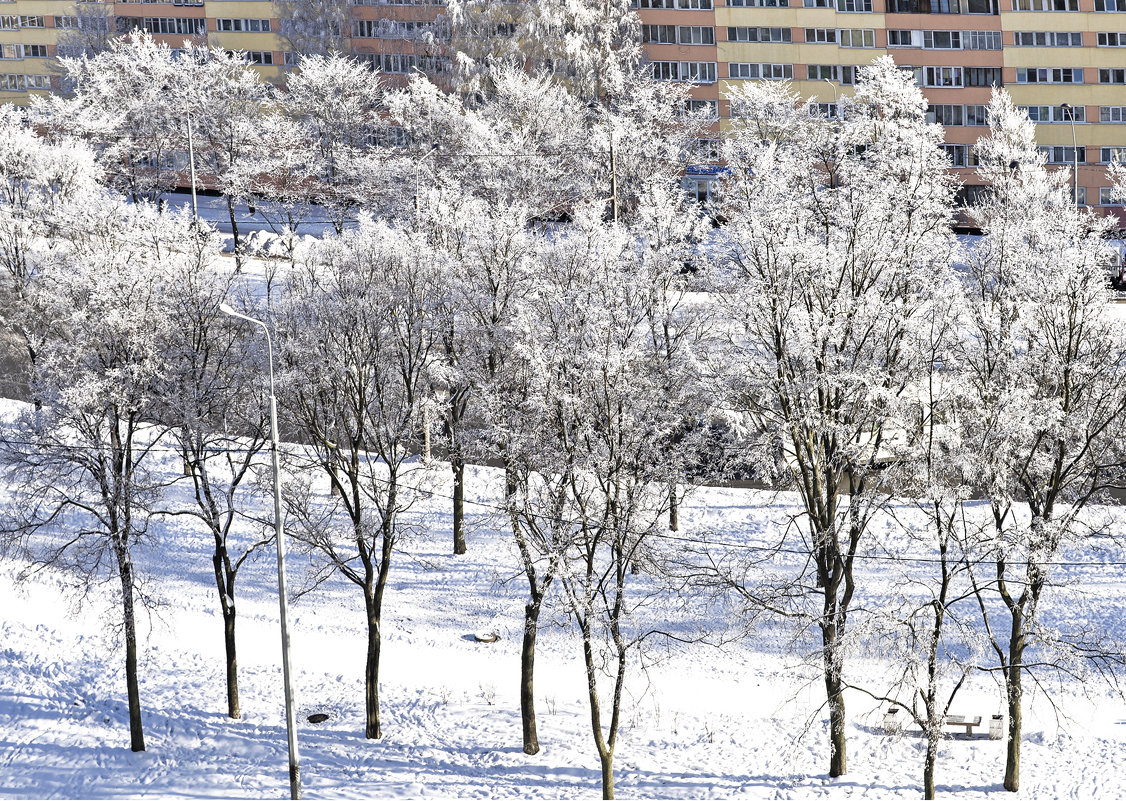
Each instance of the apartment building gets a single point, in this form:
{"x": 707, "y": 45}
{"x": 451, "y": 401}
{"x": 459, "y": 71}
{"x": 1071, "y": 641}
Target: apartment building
{"x": 1064, "y": 60}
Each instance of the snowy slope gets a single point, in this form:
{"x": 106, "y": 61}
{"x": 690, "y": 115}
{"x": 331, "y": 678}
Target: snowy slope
{"x": 741, "y": 719}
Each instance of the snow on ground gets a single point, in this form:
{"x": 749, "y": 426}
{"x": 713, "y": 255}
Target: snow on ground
{"x": 741, "y": 720}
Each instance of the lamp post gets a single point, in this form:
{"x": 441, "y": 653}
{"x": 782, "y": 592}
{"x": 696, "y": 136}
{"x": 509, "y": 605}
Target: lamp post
{"x": 417, "y": 168}
{"x": 287, "y": 676}
{"x": 1074, "y": 154}
{"x": 191, "y": 167}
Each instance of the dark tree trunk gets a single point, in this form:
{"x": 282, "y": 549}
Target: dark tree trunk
{"x": 527, "y": 672}
{"x": 224, "y": 584}
{"x": 372, "y": 729}
{"x": 457, "y": 464}
{"x": 235, "y": 235}
{"x": 125, "y": 572}
{"x": 1012, "y": 751}
{"x": 834, "y": 693}
{"x": 933, "y": 736}
{"x": 674, "y": 509}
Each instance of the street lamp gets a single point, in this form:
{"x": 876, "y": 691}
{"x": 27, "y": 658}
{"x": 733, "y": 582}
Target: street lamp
{"x": 290, "y": 715}
{"x": 417, "y": 168}
{"x": 1074, "y": 153}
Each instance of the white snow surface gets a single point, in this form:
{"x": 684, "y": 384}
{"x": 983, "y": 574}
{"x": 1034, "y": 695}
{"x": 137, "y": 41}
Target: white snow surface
{"x": 739, "y": 719}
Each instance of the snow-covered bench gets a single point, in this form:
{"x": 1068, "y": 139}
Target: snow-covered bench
{"x": 962, "y": 720}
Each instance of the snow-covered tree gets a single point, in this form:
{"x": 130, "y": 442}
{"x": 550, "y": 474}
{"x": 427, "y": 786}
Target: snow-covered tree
{"x": 79, "y": 464}
{"x": 585, "y": 421}
{"x": 836, "y": 232}
{"x": 358, "y": 342}
{"x": 1045, "y": 370}
{"x": 212, "y": 401}
{"x": 39, "y": 182}
{"x": 125, "y": 103}
{"x": 334, "y": 104}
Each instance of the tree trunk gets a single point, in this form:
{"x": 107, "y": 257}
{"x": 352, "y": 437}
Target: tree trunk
{"x": 527, "y": 671}
{"x": 372, "y": 729}
{"x": 1012, "y": 753}
{"x": 607, "y": 760}
{"x": 125, "y": 572}
{"x": 834, "y": 693}
{"x": 233, "y": 710}
{"x": 227, "y": 605}
{"x": 933, "y": 736}
{"x": 235, "y": 235}
{"x": 674, "y": 509}
{"x": 457, "y": 464}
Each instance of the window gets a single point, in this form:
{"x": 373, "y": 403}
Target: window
{"x": 759, "y": 3}
{"x": 977, "y": 115}
{"x": 1110, "y": 5}
{"x": 959, "y": 155}
{"x": 22, "y": 83}
{"x": 658, "y": 34}
{"x": 263, "y": 57}
{"x": 1049, "y": 114}
{"x": 1112, "y": 113}
{"x": 1045, "y": 5}
{"x": 182, "y": 26}
{"x": 697, "y": 188}
{"x": 11, "y": 51}
{"x": 1109, "y": 155}
{"x": 821, "y": 35}
{"x": 942, "y": 40}
{"x": 827, "y": 110}
{"x": 934, "y": 7}
{"x": 846, "y": 75}
{"x": 402, "y": 29}
{"x": 819, "y": 3}
{"x": 1063, "y": 155}
{"x": 705, "y": 149}
{"x": 697, "y": 71}
{"x": 857, "y": 37}
{"x": 1079, "y": 195}
{"x": 34, "y": 51}
{"x": 983, "y": 76}
{"x": 1050, "y": 75}
{"x": 901, "y": 39}
{"x": 951, "y": 77}
{"x": 695, "y": 35}
{"x": 759, "y": 34}
{"x": 946, "y": 114}
{"x": 96, "y": 24}
{"x": 858, "y": 6}
{"x": 764, "y": 72}
{"x": 1112, "y": 76}
{"x": 242, "y": 25}
{"x": 1048, "y": 39}
{"x": 1112, "y": 39}
{"x": 981, "y": 40}
{"x": 32, "y": 22}
{"x": 706, "y": 108}
{"x": 1107, "y": 196}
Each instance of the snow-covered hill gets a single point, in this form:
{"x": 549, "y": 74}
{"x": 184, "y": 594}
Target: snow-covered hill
{"x": 736, "y": 717}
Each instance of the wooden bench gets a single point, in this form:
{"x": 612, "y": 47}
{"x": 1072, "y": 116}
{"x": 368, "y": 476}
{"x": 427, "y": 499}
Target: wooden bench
{"x": 962, "y": 720}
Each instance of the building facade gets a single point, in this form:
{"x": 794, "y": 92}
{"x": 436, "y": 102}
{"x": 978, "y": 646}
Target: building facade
{"x": 1063, "y": 60}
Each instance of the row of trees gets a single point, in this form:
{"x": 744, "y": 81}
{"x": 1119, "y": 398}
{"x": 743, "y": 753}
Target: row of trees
{"x": 840, "y": 345}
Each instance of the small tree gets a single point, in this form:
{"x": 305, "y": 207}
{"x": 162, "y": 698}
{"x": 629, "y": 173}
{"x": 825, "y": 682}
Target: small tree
{"x": 358, "y": 341}
{"x": 585, "y": 426}
{"x": 1047, "y": 379}
{"x": 212, "y": 401}
{"x": 835, "y": 234}
{"x": 39, "y": 182}
{"x": 84, "y": 491}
